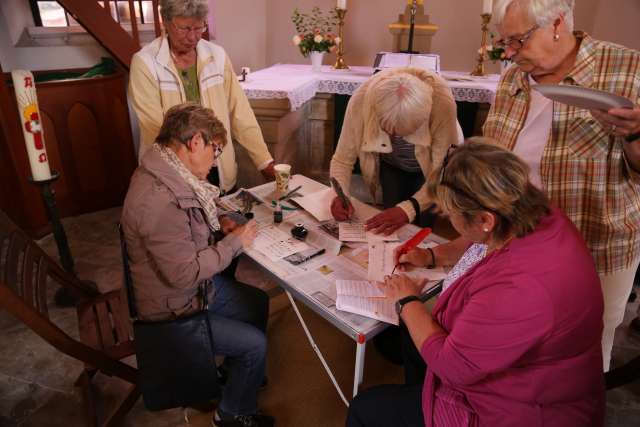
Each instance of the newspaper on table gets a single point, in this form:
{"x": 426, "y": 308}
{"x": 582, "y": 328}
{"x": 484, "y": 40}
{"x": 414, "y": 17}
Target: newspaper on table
{"x": 356, "y": 232}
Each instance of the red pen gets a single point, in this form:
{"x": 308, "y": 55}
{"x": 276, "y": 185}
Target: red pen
{"x": 411, "y": 244}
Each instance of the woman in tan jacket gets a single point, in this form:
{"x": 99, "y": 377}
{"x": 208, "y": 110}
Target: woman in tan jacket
{"x": 169, "y": 219}
{"x": 398, "y": 125}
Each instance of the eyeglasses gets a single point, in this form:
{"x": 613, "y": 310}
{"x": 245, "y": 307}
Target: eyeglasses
{"x": 183, "y": 31}
{"x": 217, "y": 151}
{"x": 456, "y": 189}
{"x": 516, "y": 43}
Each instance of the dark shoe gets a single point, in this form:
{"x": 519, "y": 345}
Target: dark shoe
{"x": 254, "y": 420}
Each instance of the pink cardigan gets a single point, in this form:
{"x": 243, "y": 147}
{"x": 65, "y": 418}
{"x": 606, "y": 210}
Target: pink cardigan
{"x": 522, "y": 346}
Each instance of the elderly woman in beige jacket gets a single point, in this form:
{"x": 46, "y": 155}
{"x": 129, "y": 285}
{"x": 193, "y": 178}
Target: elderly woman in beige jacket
{"x": 399, "y": 125}
{"x": 180, "y": 66}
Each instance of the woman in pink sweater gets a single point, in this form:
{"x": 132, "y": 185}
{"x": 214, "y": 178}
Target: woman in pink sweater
{"x": 514, "y": 339}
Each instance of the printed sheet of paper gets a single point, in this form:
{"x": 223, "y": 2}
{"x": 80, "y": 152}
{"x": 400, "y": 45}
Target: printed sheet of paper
{"x": 355, "y": 232}
{"x": 276, "y": 244}
{"x": 366, "y": 299}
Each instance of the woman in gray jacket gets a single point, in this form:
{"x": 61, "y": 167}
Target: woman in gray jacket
{"x": 169, "y": 219}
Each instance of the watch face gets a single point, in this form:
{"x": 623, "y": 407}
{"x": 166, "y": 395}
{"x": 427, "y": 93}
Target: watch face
{"x": 398, "y": 307}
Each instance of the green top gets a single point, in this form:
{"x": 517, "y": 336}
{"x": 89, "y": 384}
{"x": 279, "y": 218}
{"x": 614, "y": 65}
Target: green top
{"x": 189, "y": 79}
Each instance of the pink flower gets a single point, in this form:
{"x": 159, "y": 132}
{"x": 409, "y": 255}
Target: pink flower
{"x": 337, "y": 40}
{"x": 318, "y": 38}
{"x": 297, "y": 40}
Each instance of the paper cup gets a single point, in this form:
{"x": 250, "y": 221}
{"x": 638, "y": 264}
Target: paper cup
{"x": 283, "y": 173}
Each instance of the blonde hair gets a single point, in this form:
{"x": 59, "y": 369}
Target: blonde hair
{"x": 183, "y": 121}
{"x": 198, "y": 9}
{"x": 542, "y": 12}
{"x": 481, "y": 176}
{"x": 401, "y": 101}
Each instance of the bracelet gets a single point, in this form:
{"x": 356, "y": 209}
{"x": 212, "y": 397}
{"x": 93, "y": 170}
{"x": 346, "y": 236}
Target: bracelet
{"x": 416, "y": 206}
{"x": 433, "y": 259}
{"x": 632, "y": 137}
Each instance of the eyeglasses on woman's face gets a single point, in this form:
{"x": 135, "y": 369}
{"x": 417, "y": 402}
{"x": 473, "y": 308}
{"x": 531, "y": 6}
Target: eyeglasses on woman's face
{"x": 516, "y": 43}
{"x": 217, "y": 150}
{"x": 186, "y": 30}
{"x": 456, "y": 189}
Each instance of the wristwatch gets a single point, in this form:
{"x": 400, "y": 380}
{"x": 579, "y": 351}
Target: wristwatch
{"x": 403, "y": 301}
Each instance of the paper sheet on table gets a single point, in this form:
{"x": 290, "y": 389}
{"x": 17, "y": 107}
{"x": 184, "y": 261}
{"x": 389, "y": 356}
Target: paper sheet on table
{"x": 355, "y": 232}
{"x": 276, "y": 244}
{"x": 318, "y": 204}
{"x": 381, "y": 260}
{"x": 381, "y": 263}
{"x": 366, "y": 299}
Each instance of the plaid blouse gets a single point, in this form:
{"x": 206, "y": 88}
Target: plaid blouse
{"x": 583, "y": 169}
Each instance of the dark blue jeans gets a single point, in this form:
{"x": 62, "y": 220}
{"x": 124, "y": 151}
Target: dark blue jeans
{"x": 238, "y": 323}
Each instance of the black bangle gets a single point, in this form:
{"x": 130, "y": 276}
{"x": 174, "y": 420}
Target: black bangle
{"x": 433, "y": 259}
{"x": 632, "y": 137}
{"x": 416, "y": 206}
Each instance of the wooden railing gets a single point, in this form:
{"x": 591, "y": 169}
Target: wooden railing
{"x": 97, "y": 21}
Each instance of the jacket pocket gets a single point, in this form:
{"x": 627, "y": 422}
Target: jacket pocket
{"x": 587, "y": 138}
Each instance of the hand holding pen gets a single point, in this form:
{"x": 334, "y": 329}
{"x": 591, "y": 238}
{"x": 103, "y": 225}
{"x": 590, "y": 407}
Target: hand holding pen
{"x": 341, "y": 207}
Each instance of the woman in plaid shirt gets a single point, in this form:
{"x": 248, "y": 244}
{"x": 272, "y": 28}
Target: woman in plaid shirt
{"x": 588, "y": 162}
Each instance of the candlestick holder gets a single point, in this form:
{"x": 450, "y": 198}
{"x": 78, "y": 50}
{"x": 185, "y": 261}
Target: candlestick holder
{"x": 479, "y": 68}
{"x": 340, "y": 64}
{"x": 62, "y": 296}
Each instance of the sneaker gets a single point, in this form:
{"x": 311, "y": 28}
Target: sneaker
{"x": 253, "y": 420}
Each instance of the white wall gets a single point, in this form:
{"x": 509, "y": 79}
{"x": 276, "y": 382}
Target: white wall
{"x": 257, "y": 33}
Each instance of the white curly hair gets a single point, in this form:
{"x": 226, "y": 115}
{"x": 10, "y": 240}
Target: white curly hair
{"x": 542, "y": 12}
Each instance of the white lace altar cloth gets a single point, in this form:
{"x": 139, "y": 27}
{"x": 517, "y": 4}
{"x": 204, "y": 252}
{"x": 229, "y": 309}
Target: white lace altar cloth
{"x": 299, "y": 84}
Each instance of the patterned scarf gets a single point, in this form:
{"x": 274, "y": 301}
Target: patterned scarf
{"x": 206, "y": 193}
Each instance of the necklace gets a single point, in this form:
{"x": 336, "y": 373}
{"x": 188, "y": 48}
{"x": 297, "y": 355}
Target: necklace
{"x": 500, "y": 246}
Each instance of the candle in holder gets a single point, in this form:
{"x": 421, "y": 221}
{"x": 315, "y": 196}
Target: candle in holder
{"x": 487, "y": 5}
{"x": 342, "y": 4}
{"x": 31, "y": 123}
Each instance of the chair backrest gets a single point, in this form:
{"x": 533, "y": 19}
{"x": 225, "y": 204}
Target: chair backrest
{"x": 128, "y": 281}
{"x": 105, "y": 328}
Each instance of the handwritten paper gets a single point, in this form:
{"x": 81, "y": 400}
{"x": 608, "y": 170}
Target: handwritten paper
{"x": 381, "y": 260}
{"x": 366, "y": 299}
{"x": 356, "y": 232}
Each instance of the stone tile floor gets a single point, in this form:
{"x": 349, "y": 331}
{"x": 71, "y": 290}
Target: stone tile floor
{"x": 36, "y": 382}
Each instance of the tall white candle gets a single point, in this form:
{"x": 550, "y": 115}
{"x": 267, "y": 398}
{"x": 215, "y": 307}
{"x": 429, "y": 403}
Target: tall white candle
{"x": 487, "y": 5}
{"x": 31, "y": 123}
{"x": 342, "y": 4}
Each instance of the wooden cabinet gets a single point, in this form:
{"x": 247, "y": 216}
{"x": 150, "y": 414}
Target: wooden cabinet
{"x": 88, "y": 139}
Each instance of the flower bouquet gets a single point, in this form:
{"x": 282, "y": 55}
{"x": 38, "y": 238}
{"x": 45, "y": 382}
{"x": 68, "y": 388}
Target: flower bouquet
{"x": 315, "y": 31}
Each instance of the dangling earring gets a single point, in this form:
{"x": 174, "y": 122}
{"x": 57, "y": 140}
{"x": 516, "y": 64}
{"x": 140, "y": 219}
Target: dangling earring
{"x": 556, "y": 37}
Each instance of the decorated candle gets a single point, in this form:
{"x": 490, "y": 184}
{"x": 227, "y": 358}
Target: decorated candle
{"x": 487, "y": 5}
{"x": 31, "y": 123}
{"x": 342, "y": 4}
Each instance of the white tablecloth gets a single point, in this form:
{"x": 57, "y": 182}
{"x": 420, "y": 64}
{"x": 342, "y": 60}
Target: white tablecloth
{"x": 299, "y": 84}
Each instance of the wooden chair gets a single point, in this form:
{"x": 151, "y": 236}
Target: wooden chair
{"x": 105, "y": 328}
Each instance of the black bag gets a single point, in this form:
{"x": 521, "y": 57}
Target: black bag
{"x": 176, "y": 366}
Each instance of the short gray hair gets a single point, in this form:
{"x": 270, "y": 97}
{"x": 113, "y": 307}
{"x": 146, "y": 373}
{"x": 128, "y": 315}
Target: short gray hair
{"x": 198, "y": 9}
{"x": 401, "y": 101}
{"x": 542, "y": 12}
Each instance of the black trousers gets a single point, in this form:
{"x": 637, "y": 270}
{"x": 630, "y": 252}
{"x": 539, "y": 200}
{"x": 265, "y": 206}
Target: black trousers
{"x": 387, "y": 405}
